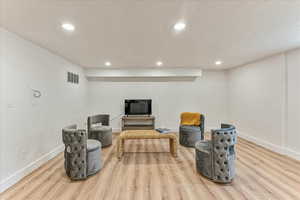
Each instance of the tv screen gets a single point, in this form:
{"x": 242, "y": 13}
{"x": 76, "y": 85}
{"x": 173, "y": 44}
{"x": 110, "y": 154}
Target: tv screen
{"x": 138, "y": 107}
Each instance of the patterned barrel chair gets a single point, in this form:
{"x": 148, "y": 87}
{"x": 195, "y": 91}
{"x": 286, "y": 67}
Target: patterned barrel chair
{"x": 82, "y": 156}
{"x": 215, "y": 159}
{"x": 99, "y": 129}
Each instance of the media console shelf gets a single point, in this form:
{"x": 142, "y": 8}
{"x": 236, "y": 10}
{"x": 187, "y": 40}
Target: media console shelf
{"x": 138, "y": 122}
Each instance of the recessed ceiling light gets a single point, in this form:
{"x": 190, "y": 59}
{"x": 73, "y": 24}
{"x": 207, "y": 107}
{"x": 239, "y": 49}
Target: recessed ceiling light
{"x": 218, "y": 62}
{"x": 68, "y": 27}
{"x": 107, "y": 63}
{"x": 179, "y": 26}
{"x": 159, "y": 63}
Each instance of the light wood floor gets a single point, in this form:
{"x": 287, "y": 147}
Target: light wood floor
{"x": 154, "y": 174}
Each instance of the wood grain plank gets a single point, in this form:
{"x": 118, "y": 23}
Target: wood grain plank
{"x": 148, "y": 171}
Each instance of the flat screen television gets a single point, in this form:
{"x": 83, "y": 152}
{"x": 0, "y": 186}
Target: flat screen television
{"x": 138, "y": 106}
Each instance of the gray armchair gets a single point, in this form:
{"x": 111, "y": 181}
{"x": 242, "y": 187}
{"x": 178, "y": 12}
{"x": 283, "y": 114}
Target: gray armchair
{"x": 99, "y": 129}
{"x": 189, "y": 135}
{"x": 82, "y": 156}
{"x": 215, "y": 159}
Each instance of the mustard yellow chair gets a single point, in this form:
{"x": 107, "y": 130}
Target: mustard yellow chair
{"x": 191, "y": 128}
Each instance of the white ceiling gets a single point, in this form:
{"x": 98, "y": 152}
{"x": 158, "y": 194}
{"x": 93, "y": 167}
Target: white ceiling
{"x": 137, "y": 33}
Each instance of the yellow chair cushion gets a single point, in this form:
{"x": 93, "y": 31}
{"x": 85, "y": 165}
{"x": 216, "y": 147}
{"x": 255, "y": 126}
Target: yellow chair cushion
{"x": 190, "y": 119}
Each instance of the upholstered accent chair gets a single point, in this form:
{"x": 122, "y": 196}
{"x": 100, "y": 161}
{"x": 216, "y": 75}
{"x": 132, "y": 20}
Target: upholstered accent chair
{"x": 99, "y": 129}
{"x": 215, "y": 158}
{"x": 82, "y": 156}
{"x": 191, "y": 133}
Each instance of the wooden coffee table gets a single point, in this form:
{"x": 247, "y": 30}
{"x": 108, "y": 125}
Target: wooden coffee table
{"x": 146, "y": 134}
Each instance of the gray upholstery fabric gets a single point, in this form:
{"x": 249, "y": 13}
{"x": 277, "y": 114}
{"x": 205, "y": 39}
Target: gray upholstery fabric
{"x": 76, "y": 153}
{"x": 189, "y": 135}
{"x": 101, "y": 133}
{"x": 215, "y": 158}
{"x": 102, "y": 128}
{"x": 203, "y": 158}
{"x": 96, "y": 119}
{"x": 94, "y": 164}
{"x": 93, "y": 145}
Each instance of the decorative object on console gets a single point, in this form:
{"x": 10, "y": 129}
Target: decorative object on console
{"x": 82, "y": 156}
{"x": 215, "y": 158}
{"x": 163, "y": 130}
{"x": 191, "y": 128}
{"x": 99, "y": 129}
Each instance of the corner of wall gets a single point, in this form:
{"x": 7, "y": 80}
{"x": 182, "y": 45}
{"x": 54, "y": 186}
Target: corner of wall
{"x": 255, "y": 94}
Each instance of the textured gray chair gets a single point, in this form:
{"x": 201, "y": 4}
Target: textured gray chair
{"x": 98, "y": 129}
{"x": 82, "y": 156}
{"x": 189, "y": 135}
{"x": 215, "y": 158}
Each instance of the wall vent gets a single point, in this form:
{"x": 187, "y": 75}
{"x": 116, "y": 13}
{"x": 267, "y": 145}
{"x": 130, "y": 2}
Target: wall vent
{"x": 73, "y": 78}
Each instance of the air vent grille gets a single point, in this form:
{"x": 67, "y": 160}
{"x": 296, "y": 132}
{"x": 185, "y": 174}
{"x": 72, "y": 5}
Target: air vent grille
{"x": 73, "y": 78}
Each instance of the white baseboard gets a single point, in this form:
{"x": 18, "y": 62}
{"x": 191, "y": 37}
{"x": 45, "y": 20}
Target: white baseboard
{"x": 17, "y": 176}
{"x": 270, "y": 146}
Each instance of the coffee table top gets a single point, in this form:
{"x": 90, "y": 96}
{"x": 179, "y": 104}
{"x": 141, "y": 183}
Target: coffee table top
{"x": 145, "y": 134}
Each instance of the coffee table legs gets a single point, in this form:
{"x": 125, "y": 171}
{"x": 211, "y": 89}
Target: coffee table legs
{"x": 120, "y": 148}
{"x": 173, "y": 146}
{"x": 172, "y": 143}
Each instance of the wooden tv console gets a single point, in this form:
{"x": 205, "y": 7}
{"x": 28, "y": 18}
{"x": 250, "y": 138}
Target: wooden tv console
{"x": 138, "y": 122}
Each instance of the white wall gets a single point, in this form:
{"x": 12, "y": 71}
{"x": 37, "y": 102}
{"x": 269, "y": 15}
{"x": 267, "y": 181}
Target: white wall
{"x": 264, "y": 102}
{"x": 257, "y": 97}
{"x": 32, "y": 131}
{"x": 1, "y": 101}
{"x": 293, "y": 101}
{"x": 206, "y": 94}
